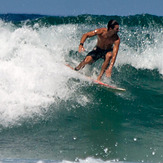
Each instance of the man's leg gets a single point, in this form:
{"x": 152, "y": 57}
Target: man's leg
{"x": 108, "y": 57}
{"x": 87, "y": 60}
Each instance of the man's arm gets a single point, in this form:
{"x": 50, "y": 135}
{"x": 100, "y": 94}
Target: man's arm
{"x": 115, "y": 52}
{"x": 86, "y": 35}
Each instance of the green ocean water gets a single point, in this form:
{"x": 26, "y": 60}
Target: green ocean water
{"x": 50, "y": 113}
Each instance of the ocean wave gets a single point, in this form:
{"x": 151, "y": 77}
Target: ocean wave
{"x": 49, "y": 111}
{"x": 33, "y": 74}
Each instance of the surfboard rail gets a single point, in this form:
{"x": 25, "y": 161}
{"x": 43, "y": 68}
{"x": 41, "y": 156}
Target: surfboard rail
{"x": 108, "y": 86}
{"x": 101, "y": 83}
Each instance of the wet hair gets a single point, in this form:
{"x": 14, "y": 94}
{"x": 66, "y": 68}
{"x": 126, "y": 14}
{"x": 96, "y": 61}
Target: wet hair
{"x": 112, "y": 23}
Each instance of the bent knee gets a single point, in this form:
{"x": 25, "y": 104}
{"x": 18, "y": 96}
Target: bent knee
{"x": 88, "y": 59}
{"x": 108, "y": 56}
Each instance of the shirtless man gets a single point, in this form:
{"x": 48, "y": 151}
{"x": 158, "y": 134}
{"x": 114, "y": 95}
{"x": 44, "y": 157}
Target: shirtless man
{"x": 107, "y": 47}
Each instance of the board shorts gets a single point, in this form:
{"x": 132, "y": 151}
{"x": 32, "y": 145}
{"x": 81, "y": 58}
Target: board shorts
{"x": 98, "y": 53}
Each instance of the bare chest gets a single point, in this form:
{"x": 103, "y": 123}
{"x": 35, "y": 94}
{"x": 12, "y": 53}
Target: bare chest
{"x": 107, "y": 40}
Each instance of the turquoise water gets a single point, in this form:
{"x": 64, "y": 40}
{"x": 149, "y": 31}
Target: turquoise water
{"x": 50, "y": 113}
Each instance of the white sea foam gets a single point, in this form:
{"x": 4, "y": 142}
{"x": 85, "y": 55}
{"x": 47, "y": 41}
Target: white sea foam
{"x": 87, "y": 160}
{"x": 92, "y": 160}
{"x": 32, "y": 70}
{"x": 149, "y": 57}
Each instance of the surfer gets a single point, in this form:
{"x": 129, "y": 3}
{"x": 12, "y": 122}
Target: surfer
{"x": 106, "y": 48}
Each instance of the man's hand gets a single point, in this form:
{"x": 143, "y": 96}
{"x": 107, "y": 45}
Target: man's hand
{"x": 81, "y": 49}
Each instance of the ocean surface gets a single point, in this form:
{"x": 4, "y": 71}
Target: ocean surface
{"x": 51, "y": 114}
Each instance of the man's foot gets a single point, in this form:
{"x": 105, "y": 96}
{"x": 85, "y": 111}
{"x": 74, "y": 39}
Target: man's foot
{"x": 99, "y": 78}
{"x": 76, "y": 69}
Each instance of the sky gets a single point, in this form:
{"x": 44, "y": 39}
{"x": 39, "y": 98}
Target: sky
{"x": 78, "y": 7}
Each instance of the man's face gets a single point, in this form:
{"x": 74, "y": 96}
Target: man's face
{"x": 116, "y": 28}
